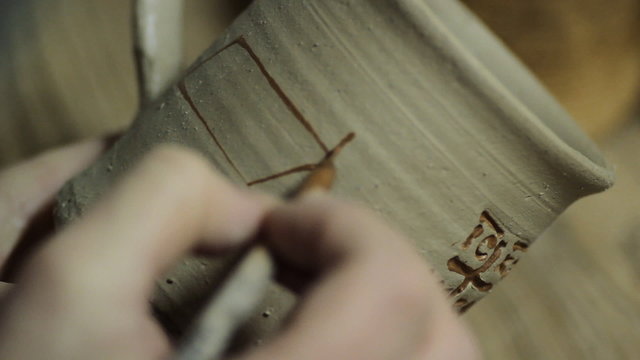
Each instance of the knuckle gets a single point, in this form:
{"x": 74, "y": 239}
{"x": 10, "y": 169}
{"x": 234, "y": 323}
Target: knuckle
{"x": 183, "y": 176}
{"x": 409, "y": 279}
{"x": 176, "y": 165}
{"x": 405, "y": 280}
{"x": 409, "y": 290}
{"x": 178, "y": 159}
{"x": 409, "y": 286}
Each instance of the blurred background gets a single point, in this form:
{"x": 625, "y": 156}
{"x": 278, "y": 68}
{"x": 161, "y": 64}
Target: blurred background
{"x": 66, "y": 73}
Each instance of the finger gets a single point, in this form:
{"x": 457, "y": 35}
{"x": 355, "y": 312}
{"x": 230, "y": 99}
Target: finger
{"x": 92, "y": 280}
{"x": 375, "y": 298}
{"x": 28, "y": 187}
{"x": 449, "y": 339}
{"x": 161, "y": 210}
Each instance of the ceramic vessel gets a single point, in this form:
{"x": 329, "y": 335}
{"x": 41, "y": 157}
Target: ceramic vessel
{"x": 457, "y": 144}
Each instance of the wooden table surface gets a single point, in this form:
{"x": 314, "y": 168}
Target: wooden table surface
{"x": 66, "y": 73}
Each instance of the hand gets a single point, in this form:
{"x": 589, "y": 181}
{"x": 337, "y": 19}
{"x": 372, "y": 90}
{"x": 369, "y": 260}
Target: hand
{"x": 84, "y": 293}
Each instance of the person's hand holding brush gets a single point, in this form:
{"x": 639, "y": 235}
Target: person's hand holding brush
{"x": 84, "y": 293}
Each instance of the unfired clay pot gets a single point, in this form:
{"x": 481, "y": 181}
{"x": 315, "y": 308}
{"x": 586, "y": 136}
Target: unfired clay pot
{"x": 457, "y": 144}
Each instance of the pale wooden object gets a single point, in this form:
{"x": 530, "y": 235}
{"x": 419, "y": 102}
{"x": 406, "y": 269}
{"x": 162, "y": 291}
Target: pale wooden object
{"x": 233, "y": 304}
{"x": 67, "y": 70}
{"x": 158, "y": 35}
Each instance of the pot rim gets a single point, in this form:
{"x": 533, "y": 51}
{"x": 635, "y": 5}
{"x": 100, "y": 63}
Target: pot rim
{"x": 505, "y": 80}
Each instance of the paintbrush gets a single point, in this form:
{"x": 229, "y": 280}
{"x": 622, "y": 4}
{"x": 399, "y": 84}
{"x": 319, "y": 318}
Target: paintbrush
{"x": 244, "y": 288}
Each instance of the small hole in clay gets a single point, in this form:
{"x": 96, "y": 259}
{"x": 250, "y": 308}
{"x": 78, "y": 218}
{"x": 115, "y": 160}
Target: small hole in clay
{"x": 169, "y": 281}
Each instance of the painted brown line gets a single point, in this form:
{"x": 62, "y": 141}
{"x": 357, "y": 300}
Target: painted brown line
{"x": 242, "y": 42}
{"x": 341, "y": 145}
{"x": 185, "y": 94}
{"x": 297, "y": 169}
{"x": 199, "y": 65}
{"x": 285, "y": 99}
{"x": 330, "y": 155}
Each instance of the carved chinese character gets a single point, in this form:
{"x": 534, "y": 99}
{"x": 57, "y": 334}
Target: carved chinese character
{"x": 487, "y": 245}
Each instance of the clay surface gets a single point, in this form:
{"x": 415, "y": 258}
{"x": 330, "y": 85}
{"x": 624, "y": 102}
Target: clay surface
{"x": 457, "y": 144}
